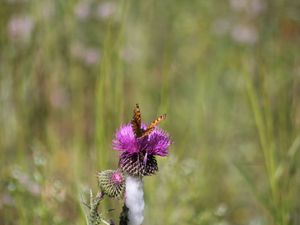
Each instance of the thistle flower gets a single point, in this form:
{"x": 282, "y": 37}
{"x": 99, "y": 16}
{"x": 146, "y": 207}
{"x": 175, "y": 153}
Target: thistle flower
{"x": 112, "y": 183}
{"x": 139, "y": 144}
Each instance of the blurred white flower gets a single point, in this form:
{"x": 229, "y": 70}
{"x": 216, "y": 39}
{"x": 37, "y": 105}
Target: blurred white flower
{"x": 39, "y": 158}
{"x": 105, "y": 10}
{"x": 16, "y": 172}
{"x": 25, "y": 181}
{"x": 244, "y": 34}
{"x": 256, "y": 221}
{"x": 20, "y": 28}
{"x": 11, "y": 187}
{"x": 221, "y": 209}
{"x": 82, "y": 10}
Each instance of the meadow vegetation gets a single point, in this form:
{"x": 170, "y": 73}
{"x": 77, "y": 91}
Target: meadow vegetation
{"x": 227, "y": 73}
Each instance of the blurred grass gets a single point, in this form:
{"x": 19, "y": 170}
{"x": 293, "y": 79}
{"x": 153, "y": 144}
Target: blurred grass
{"x": 227, "y": 74}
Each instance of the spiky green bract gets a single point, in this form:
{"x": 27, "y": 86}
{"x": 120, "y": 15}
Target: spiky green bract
{"x": 135, "y": 165}
{"x": 112, "y": 183}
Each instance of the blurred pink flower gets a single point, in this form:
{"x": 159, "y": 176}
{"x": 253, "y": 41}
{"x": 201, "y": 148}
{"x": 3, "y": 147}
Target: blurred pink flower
{"x": 244, "y": 34}
{"x": 105, "y": 10}
{"x": 89, "y": 56}
{"x": 20, "y": 28}
{"x": 256, "y": 7}
{"x": 59, "y": 98}
{"x": 6, "y": 199}
{"x": 34, "y": 189}
{"x": 82, "y": 10}
{"x": 251, "y": 7}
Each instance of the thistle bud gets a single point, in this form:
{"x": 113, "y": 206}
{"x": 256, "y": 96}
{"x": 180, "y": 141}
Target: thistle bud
{"x": 112, "y": 183}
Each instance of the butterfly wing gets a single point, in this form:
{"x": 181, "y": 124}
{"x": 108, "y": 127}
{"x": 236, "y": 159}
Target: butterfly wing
{"x": 154, "y": 123}
{"x": 136, "y": 121}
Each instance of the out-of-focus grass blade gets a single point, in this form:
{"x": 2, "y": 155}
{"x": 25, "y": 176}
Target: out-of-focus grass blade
{"x": 261, "y": 197}
{"x": 294, "y": 147}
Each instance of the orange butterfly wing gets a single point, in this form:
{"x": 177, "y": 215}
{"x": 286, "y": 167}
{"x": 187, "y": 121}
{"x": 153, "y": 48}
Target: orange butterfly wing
{"x": 154, "y": 123}
{"x": 136, "y": 121}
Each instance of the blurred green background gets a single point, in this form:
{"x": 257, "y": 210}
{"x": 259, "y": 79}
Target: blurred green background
{"x": 227, "y": 73}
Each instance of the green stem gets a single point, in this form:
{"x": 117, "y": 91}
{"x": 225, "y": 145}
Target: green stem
{"x": 124, "y": 216}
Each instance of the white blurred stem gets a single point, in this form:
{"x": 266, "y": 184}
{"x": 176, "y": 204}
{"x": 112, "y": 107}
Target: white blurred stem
{"x": 134, "y": 200}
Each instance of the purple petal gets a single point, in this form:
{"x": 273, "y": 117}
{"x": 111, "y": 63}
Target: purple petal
{"x": 156, "y": 143}
{"x": 125, "y": 140}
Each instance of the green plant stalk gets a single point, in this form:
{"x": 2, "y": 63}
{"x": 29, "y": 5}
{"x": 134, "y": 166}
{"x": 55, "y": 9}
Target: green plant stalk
{"x": 266, "y": 145}
{"x": 94, "y": 217}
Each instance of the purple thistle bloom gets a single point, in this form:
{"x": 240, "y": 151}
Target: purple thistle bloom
{"x": 156, "y": 143}
{"x": 138, "y": 154}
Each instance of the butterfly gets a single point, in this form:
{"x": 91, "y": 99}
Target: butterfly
{"x": 136, "y": 123}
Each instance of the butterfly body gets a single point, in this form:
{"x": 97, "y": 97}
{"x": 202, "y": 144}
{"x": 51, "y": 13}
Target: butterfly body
{"x": 136, "y": 123}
